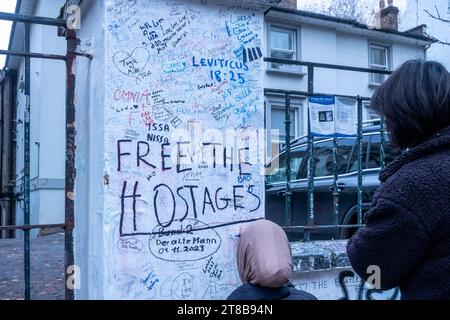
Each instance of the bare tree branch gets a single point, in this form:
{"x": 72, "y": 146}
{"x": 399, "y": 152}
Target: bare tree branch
{"x": 362, "y": 11}
{"x": 436, "y": 39}
{"x": 438, "y": 17}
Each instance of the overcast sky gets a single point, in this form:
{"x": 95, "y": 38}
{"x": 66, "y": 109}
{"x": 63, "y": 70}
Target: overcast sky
{"x": 5, "y": 27}
{"x": 401, "y": 4}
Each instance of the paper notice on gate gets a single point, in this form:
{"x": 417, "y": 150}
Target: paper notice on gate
{"x": 322, "y": 115}
{"x": 346, "y": 116}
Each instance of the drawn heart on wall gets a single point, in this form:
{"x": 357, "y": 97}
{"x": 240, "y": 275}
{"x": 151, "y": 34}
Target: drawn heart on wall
{"x": 132, "y": 64}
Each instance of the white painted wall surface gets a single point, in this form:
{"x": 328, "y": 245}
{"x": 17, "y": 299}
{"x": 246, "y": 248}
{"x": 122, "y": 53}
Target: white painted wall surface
{"x": 325, "y": 45}
{"x": 89, "y": 206}
{"x": 117, "y": 259}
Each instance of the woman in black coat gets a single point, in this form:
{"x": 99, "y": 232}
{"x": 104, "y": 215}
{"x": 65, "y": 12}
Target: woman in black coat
{"x": 407, "y": 232}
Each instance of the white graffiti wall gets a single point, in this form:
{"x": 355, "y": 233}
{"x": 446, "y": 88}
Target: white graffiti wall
{"x": 183, "y": 138}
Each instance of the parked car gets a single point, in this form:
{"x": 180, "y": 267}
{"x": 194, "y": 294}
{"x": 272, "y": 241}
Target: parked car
{"x": 323, "y": 182}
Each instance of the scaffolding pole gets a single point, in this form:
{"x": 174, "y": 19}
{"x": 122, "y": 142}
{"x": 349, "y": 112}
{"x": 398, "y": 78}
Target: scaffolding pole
{"x": 70, "y": 161}
{"x": 6, "y": 16}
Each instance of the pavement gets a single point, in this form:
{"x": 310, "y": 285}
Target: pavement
{"x": 47, "y": 264}
{"x": 47, "y": 268}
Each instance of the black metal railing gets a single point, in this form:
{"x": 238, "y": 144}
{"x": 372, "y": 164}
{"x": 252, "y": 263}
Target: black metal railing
{"x": 69, "y": 59}
{"x": 335, "y": 190}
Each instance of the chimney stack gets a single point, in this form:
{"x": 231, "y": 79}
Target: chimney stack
{"x": 387, "y": 18}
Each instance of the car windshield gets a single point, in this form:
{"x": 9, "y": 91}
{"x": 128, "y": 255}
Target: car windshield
{"x": 324, "y": 159}
{"x": 278, "y": 172}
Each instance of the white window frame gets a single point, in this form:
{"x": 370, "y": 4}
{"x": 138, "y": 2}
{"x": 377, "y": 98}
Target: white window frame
{"x": 299, "y": 121}
{"x": 293, "y": 32}
{"x": 294, "y": 122}
{"x": 284, "y": 68}
{"x": 378, "y": 66}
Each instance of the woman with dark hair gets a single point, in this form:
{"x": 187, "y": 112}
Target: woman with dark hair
{"x": 407, "y": 231}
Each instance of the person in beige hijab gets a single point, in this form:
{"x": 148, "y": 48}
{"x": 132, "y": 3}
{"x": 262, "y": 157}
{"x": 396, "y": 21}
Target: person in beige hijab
{"x": 264, "y": 262}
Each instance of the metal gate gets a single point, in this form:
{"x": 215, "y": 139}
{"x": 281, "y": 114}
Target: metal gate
{"x": 69, "y": 60}
{"x": 335, "y": 190}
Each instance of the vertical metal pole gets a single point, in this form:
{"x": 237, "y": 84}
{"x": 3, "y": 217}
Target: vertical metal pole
{"x": 287, "y": 127}
{"x": 26, "y": 167}
{"x": 359, "y": 163}
{"x": 310, "y": 213}
{"x": 70, "y": 163}
{"x": 2, "y": 120}
{"x": 335, "y": 184}
{"x": 382, "y": 143}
